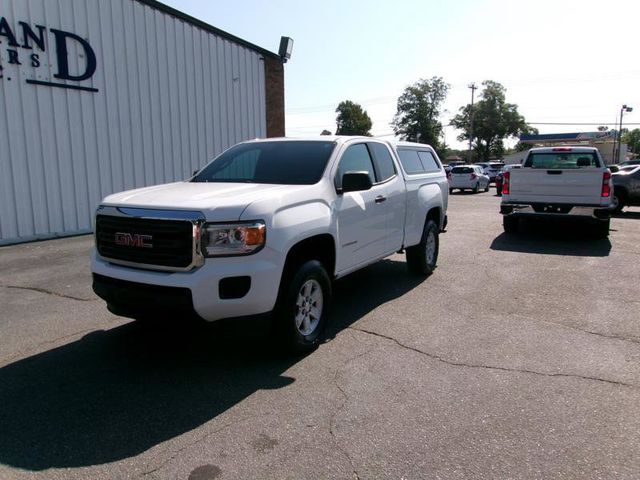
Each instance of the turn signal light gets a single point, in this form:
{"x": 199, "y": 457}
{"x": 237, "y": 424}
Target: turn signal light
{"x": 505, "y": 183}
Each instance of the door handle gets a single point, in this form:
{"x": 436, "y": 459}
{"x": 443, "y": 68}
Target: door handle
{"x": 380, "y": 198}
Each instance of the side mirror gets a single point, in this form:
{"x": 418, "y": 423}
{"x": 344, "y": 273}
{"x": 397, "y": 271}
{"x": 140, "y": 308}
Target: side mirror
{"x": 356, "y": 181}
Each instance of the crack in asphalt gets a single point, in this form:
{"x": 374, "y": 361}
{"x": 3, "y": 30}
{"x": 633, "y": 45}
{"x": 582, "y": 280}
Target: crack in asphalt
{"x": 49, "y": 292}
{"x": 345, "y": 399}
{"x": 492, "y": 367}
{"x": 177, "y": 452}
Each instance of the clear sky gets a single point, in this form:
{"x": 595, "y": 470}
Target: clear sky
{"x": 561, "y": 61}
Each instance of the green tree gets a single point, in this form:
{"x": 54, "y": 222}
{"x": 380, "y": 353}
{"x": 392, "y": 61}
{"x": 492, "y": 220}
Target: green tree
{"x": 418, "y": 112}
{"x": 494, "y": 120}
{"x": 632, "y": 139}
{"x": 352, "y": 119}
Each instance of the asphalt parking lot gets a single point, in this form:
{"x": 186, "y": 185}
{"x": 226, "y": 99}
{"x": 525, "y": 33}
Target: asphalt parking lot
{"x": 518, "y": 358}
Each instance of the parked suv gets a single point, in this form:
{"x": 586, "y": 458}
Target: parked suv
{"x": 468, "y": 177}
{"x": 267, "y": 226}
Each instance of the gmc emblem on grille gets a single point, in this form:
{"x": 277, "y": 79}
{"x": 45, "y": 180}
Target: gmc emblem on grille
{"x": 133, "y": 240}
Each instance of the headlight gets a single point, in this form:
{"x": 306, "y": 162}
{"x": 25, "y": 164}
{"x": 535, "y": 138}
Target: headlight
{"x": 232, "y": 238}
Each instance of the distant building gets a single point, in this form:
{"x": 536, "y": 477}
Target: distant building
{"x": 603, "y": 141}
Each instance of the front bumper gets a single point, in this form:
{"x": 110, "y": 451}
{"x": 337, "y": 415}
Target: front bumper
{"x": 134, "y": 292}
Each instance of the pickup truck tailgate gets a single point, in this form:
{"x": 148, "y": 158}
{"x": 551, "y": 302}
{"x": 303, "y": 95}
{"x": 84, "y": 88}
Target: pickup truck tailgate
{"x": 569, "y": 186}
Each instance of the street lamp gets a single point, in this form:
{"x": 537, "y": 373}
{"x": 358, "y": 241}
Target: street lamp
{"x": 616, "y": 152}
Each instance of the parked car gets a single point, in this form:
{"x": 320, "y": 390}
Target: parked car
{"x": 500, "y": 176}
{"x": 266, "y": 227}
{"x": 468, "y": 177}
{"x": 626, "y": 188}
{"x": 556, "y": 182}
{"x": 630, "y": 162}
{"x": 491, "y": 169}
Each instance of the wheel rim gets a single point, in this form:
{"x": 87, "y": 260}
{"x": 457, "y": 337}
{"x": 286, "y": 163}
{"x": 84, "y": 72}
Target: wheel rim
{"x": 431, "y": 247}
{"x": 615, "y": 202}
{"x": 309, "y": 307}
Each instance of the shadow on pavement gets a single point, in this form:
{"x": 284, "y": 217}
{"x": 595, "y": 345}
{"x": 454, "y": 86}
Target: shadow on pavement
{"x": 553, "y": 238}
{"x": 116, "y": 393}
{"x": 628, "y": 214}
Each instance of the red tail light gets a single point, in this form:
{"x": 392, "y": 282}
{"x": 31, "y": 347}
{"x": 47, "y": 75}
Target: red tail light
{"x": 505, "y": 183}
{"x": 606, "y": 188}
{"x": 562, "y": 149}
{"x": 473, "y": 176}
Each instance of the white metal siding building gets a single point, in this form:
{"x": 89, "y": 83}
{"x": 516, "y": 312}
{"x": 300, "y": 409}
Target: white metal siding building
{"x": 103, "y": 96}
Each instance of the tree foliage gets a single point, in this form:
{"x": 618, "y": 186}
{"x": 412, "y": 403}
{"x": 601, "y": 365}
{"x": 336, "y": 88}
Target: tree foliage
{"x": 494, "y": 120}
{"x": 632, "y": 139}
{"x": 418, "y": 112}
{"x": 352, "y": 119}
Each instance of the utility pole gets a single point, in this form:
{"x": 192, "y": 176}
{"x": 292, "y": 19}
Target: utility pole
{"x": 473, "y": 87}
{"x": 616, "y": 152}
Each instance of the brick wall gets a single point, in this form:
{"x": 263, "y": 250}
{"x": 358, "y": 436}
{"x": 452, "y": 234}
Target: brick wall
{"x": 274, "y": 77}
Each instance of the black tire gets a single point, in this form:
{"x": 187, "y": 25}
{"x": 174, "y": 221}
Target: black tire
{"x": 291, "y": 334}
{"x": 486, "y": 189}
{"x": 510, "y": 224}
{"x": 450, "y": 190}
{"x": 418, "y": 260}
{"x": 619, "y": 200}
{"x": 476, "y": 189}
{"x": 602, "y": 229}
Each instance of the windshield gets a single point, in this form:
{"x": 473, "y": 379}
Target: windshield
{"x": 561, "y": 160}
{"x": 282, "y": 162}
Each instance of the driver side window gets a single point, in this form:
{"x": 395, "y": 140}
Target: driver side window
{"x": 355, "y": 159}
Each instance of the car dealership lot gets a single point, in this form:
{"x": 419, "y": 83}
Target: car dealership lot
{"x": 518, "y": 358}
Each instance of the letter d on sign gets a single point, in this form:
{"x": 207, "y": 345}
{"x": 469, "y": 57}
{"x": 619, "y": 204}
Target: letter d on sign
{"x": 62, "y": 54}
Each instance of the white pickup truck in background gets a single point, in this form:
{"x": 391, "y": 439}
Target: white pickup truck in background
{"x": 558, "y": 182}
{"x": 267, "y": 226}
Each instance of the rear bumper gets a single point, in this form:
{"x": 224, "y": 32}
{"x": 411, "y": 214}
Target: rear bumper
{"x": 556, "y": 210}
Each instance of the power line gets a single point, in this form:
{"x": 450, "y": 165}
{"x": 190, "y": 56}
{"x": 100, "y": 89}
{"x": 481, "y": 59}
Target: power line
{"x": 566, "y": 123}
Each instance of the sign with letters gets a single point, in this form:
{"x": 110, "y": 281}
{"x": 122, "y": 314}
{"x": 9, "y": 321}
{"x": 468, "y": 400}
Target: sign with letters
{"x": 23, "y": 46}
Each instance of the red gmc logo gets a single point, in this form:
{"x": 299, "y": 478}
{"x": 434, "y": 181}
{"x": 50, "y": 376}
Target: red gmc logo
{"x": 133, "y": 240}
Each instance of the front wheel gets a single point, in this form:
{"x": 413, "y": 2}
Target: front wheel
{"x": 486, "y": 189}
{"x": 302, "y": 308}
{"x": 422, "y": 258}
{"x": 618, "y": 201}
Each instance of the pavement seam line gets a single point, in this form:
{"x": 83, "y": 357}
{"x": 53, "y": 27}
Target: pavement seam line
{"x": 339, "y": 409}
{"x": 49, "y": 292}
{"x": 491, "y": 367}
{"x": 175, "y": 453}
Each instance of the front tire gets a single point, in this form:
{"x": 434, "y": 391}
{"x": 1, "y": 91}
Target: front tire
{"x": 302, "y": 308}
{"x": 619, "y": 201}
{"x": 486, "y": 189}
{"x": 422, "y": 258}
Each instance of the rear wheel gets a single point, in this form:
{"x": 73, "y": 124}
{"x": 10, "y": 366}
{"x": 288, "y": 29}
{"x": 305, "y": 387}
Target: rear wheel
{"x": 422, "y": 258}
{"x": 476, "y": 189}
{"x": 486, "y": 189}
{"x": 510, "y": 224}
{"x": 302, "y": 308}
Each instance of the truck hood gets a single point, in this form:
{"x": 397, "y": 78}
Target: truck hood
{"x": 218, "y": 201}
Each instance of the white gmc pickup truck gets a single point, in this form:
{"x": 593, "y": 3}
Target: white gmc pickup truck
{"x": 557, "y": 183}
{"x": 266, "y": 226}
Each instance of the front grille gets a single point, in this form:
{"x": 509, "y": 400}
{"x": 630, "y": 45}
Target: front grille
{"x": 165, "y": 243}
